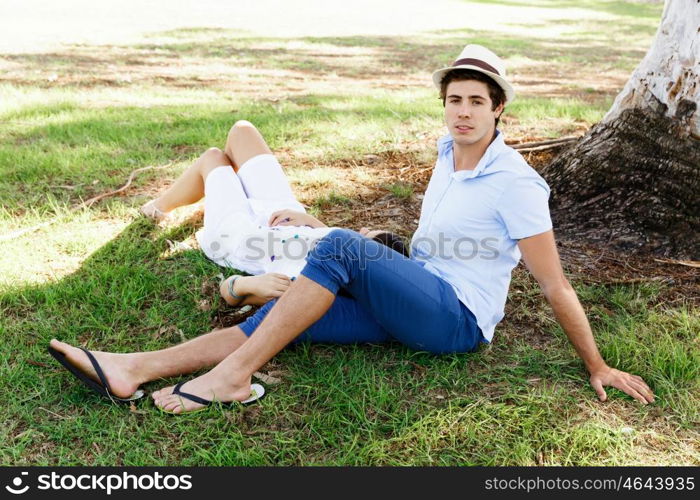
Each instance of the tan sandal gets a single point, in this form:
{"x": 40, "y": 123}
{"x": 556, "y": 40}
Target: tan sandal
{"x": 152, "y": 212}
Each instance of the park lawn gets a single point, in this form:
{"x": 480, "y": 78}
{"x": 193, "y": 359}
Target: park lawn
{"x": 355, "y": 126}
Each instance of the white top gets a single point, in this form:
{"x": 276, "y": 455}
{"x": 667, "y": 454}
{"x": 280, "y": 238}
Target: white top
{"x": 237, "y": 208}
{"x": 470, "y": 223}
{"x": 260, "y": 249}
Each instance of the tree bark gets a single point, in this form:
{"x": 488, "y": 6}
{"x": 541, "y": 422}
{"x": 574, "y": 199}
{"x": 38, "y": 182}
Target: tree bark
{"x": 634, "y": 180}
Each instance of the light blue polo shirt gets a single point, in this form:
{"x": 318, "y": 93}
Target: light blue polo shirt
{"x": 471, "y": 221}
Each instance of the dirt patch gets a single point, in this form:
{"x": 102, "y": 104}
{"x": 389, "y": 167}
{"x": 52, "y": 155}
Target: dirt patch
{"x": 601, "y": 265}
{"x": 258, "y": 68}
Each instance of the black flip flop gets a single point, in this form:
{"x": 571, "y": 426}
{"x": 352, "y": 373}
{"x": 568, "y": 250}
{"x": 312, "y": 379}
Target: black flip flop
{"x": 103, "y": 389}
{"x": 257, "y": 392}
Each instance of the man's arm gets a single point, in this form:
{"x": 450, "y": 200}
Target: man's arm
{"x": 542, "y": 260}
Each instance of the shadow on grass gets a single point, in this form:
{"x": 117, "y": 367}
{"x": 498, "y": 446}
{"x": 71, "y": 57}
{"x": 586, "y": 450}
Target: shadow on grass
{"x": 62, "y": 153}
{"x": 185, "y": 63}
{"x": 512, "y": 403}
{"x": 126, "y": 297}
{"x": 117, "y": 290}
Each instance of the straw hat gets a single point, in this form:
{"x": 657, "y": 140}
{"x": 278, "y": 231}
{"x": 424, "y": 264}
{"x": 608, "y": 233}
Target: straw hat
{"x": 481, "y": 59}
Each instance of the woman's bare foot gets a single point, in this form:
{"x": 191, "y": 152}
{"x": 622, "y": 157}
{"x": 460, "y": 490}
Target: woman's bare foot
{"x": 119, "y": 369}
{"x": 151, "y": 211}
{"x": 214, "y": 385}
{"x": 264, "y": 287}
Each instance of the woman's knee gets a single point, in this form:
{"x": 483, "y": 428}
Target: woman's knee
{"x": 243, "y": 142}
{"x": 240, "y": 124}
{"x": 211, "y": 159}
{"x": 241, "y": 127}
{"x": 240, "y": 131}
{"x": 214, "y": 157}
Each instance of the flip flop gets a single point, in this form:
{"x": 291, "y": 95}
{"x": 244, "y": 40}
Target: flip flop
{"x": 103, "y": 389}
{"x": 257, "y": 392}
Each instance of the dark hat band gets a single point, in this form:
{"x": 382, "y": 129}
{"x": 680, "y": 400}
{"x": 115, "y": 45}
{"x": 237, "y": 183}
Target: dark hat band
{"x": 478, "y": 63}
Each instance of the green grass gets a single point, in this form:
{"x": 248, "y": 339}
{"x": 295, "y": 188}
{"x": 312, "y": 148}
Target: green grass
{"x": 400, "y": 190}
{"x": 105, "y": 279}
{"x": 514, "y": 402}
{"x": 332, "y": 199}
{"x": 555, "y": 116}
{"x": 93, "y": 149}
{"x": 622, "y": 9}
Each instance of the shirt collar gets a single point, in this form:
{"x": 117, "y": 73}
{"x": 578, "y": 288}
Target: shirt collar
{"x": 445, "y": 151}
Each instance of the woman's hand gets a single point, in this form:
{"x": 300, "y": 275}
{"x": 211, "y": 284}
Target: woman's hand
{"x": 293, "y": 218}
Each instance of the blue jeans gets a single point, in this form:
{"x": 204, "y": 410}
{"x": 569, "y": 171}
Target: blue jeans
{"x": 391, "y": 297}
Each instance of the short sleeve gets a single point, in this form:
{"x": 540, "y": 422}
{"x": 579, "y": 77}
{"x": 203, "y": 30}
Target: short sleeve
{"x": 524, "y": 209}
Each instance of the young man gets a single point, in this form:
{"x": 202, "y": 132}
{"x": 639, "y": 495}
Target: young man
{"x": 484, "y": 208}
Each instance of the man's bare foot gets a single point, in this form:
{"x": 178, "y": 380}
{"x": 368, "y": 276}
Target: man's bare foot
{"x": 213, "y": 386}
{"x": 151, "y": 211}
{"x": 264, "y": 287}
{"x": 119, "y": 370}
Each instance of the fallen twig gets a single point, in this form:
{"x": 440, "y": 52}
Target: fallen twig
{"x": 547, "y": 142}
{"x": 544, "y": 148}
{"x": 37, "y": 363}
{"x": 91, "y": 201}
{"x": 87, "y": 203}
{"x": 54, "y": 413}
{"x": 688, "y": 263}
{"x": 631, "y": 281}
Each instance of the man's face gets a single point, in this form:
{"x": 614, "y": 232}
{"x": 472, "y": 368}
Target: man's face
{"x": 468, "y": 112}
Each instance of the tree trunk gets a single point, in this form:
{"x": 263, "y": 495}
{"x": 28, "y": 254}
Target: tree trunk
{"x": 634, "y": 180}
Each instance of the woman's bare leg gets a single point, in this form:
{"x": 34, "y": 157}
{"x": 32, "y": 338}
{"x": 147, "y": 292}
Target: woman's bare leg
{"x": 189, "y": 187}
{"x": 244, "y": 141}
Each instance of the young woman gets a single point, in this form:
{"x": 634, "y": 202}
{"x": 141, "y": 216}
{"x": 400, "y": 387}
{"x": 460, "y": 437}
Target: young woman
{"x": 252, "y": 220}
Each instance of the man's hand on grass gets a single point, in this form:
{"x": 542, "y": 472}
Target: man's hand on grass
{"x": 632, "y": 385}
